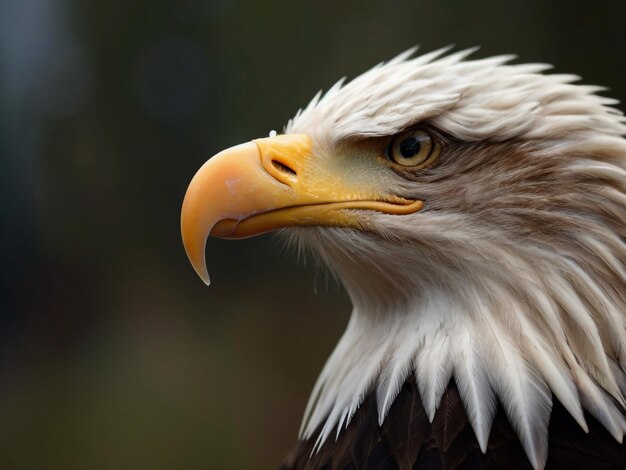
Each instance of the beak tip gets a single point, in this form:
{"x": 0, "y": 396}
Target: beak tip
{"x": 201, "y": 269}
{"x": 202, "y": 273}
{"x": 195, "y": 254}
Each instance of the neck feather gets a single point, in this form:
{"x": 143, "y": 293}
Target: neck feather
{"x": 514, "y": 326}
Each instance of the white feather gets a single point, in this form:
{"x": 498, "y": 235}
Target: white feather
{"x": 433, "y": 368}
{"x": 474, "y": 385}
{"x": 525, "y": 396}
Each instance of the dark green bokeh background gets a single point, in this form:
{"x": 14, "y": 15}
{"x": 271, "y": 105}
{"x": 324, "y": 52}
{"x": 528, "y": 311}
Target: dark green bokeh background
{"x": 113, "y": 353}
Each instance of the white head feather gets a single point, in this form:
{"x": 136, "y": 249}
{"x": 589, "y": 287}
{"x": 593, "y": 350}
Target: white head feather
{"x": 512, "y": 281}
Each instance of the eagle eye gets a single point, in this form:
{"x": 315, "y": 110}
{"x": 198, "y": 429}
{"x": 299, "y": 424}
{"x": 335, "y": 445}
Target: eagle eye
{"x": 415, "y": 148}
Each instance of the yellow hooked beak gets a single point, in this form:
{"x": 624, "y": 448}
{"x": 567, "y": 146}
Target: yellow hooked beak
{"x": 267, "y": 184}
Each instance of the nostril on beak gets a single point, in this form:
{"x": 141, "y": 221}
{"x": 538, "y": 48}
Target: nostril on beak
{"x": 283, "y": 168}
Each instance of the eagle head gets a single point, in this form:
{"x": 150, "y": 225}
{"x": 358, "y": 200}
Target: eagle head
{"x": 475, "y": 212}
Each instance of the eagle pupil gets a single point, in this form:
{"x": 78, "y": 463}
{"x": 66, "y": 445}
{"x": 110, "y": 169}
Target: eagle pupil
{"x": 410, "y": 147}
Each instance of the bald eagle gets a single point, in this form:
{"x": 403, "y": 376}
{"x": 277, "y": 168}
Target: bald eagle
{"x": 475, "y": 211}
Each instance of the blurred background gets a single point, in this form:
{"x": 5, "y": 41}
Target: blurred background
{"x": 113, "y": 354}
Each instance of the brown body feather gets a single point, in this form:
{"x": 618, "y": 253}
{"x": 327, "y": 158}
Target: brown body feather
{"x": 407, "y": 440}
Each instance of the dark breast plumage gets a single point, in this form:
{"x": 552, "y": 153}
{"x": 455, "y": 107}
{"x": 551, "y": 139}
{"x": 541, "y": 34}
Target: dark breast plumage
{"x": 407, "y": 440}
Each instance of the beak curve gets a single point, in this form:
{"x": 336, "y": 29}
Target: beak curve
{"x": 231, "y": 185}
{"x": 267, "y": 184}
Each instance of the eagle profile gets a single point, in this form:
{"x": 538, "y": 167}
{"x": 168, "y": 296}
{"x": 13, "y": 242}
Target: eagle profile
{"x": 475, "y": 212}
